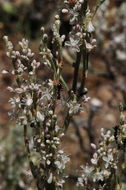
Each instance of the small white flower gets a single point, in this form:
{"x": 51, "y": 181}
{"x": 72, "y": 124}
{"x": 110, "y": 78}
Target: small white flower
{"x": 48, "y": 141}
{"x": 106, "y": 173}
{"x": 94, "y": 161}
{"x": 50, "y": 112}
{"x": 17, "y": 100}
{"x": 96, "y": 102}
{"x": 80, "y": 182}
{"x": 40, "y": 116}
{"x": 58, "y": 164}
{"x": 53, "y": 146}
{"x": 42, "y": 145}
{"x": 90, "y": 27}
{"x": 5, "y": 38}
{"x": 10, "y": 89}
{"x": 31, "y": 73}
{"x": 73, "y": 44}
{"x": 89, "y": 46}
{"x": 19, "y": 90}
{"x": 35, "y": 64}
{"x": 50, "y": 82}
{"x": 81, "y": 1}
{"x": 29, "y": 101}
{"x": 48, "y": 162}
{"x": 60, "y": 151}
{"x": 98, "y": 176}
{"x": 86, "y": 99}
{"x": 4, "y": 72}
{"x": 64, "y": 11}
{"x": 93, "y": 146}
{"x": 38, "y": 140}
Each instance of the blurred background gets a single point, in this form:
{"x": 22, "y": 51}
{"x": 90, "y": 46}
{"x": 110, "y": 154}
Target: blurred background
{"x": 106, "y": 84}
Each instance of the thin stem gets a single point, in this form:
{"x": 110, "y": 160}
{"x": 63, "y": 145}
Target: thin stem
{"x": 78, "y": 59}
{"x": 84, "y": 72}
{"x": 76, "y": 71}
{"x": 90, "y": 127}
{"x": 99, "y": 3}
{"x": 64, "y": 83}
{"x": 67, "y": 121}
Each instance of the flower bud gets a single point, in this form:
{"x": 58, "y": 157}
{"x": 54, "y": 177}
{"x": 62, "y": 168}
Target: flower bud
{"x": 64, "y": 11}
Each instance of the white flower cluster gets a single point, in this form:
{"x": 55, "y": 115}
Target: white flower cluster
{"x": 35, "y": 103}
{"x": 74, "y": 10}
{"x": 103, "y": 163}
{"x": 34, "y": 106}
{"x": 81, "y": 21}
{"x": 51, "y": 156}
{"x": 74, "y": 107}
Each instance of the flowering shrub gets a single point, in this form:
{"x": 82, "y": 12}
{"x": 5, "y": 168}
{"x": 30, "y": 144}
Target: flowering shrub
{"x": 35, "y": 104}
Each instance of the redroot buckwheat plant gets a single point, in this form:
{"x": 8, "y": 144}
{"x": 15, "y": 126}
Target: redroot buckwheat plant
{"x": 35, "y": 102}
